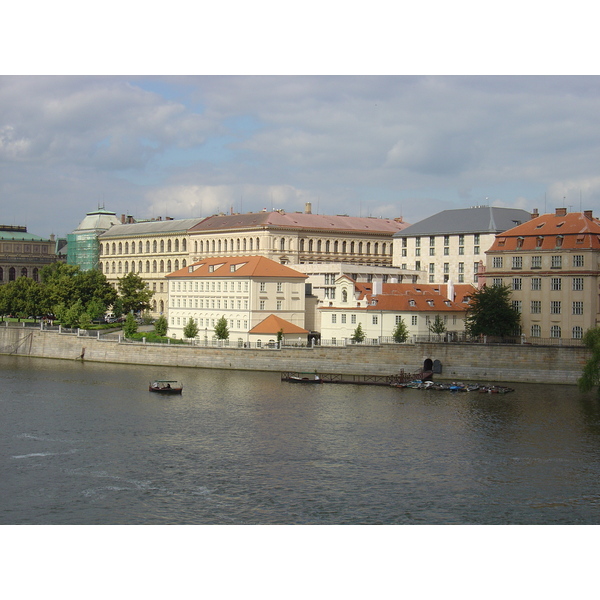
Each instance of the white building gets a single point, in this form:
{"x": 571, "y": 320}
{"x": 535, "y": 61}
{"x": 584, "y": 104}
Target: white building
{"x": 245, "y": 290}
{"x": 379, "y": 307}
{"x": 450, "y": 246}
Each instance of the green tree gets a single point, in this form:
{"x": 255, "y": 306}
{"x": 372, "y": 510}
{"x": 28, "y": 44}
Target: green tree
{"x": 491, "y": 312}
{"x": 134, "y": 293}
{"x": 400, "y": 333}
{"x": 85, "y": 321}
{"x": 130, "y": 327}
{"x": 22, "y": 298}
{"x": 438, "y": 326}
{"x": 70, "y": 315}
{"x": 221, "y": 329}
{"x": 590, "y": 376}
{"x": 280, "y": 336}
{"x": 161, "y": 326}
{"x": 191, "y": 329}
{"x": 359, "y": 335}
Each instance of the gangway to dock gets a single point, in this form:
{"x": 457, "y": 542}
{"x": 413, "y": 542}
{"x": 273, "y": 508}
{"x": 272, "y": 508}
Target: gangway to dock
{"x": 345, "y": 378}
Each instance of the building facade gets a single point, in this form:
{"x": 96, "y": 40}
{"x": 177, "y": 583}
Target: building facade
{"x": 297, "y": 238}
{"x": 24, "y": 254}
{"x": 552, "y": 265}
{"x": 151, "y": 249}
{"x": 378, "y": 308}
{"x": 450, "y": 246}
{"x": 246, "y": 290}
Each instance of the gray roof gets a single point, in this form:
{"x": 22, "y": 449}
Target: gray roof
{"x": 98, "y": 219}
{"x": 150, "y": 228}
{"x": 479, "y": 219}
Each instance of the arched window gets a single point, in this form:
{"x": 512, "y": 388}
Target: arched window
{"x": 319, "y": 246}
{"x": 35, "y": 275}
{"x": 147, "y": 266}
{"x": 352, "y": 248}
{"x": 154, "y": 305}
{"x": 184, "y": 245}
{"x": 162, "y": 266}
{"x": 162, "y": 306}
{"x": 114, "y": 267}
{"x": 244, "y": 244}
{"x": 344, "y": 296}
{"x": 24, "y": 272}
{"x": 154, "y": 266}
{"x": 555, "y": 331}
{"x": 360, "y": 244}
{"x": 368, "y": 247}
{"x": 201, "y": 246}
{"x": 376, "y": 250}
{"x": 126, "y": 247}
{"x": 196, "y": 246}
{"x": 100, "y": 249}
{"x": 169, "y": 266}
{"x": 120, "y": 248}
{"x": 114, "y": 248}
{"x": 327, "y": 246}
{"x": 184, "y": 264}
{"x": 335, "y": 246}
{"x": 257, "y": 244}
{"x": 176, "y": 245}
{"x": 238, "y": 245}
{"x": 219, "y": 246}
{"x": 302, "y": 245}
{"x": 168, "y": 245}
{"x": 310, "y": 245}
{"x": 140, "y": 267}
{"x": 212, "y": 245}
{"x": 148, "y": 247}
{"x": 162, "y": 245}
{"x": 282, "y": 244}
{"x": 126, "y": 267}
{"x": 251, "y": 244}
{"x": 154, "y": 246}
{"x": 343, "y": 247}
{"x": 177, "y": 265}
{"x": 139, "y": 247}
{"x": 383, "y": 249}
{"x": 12, "y": 274}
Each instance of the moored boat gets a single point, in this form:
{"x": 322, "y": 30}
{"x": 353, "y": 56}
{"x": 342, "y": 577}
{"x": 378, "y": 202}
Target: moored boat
{"x": 166, "y": 386}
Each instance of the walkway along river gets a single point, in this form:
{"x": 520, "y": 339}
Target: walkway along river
{"x": 479, "y": 362}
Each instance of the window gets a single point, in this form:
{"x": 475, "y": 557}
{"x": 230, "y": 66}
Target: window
{"x": 536, "y": 262}
{"x": 431, "y": 251}
{"x": 577, "y": 333}
{"x": 353, "y": 319}
{"x": 344, "y": 318}
{"x": 417, "y": 242}
{"x": 536, "y": 284}
{"x": 334, "y": 318}
{"x": 555, "y": 284}
{"x": 578, "y": 260}
{"x": 517, "y": 305}
{"x": 517, "y": 262}
{"x": 432, "y": 240}
{"x": 577, "y": 308}
{"x": 432, "y": 267}
{"x": 413, "y": 320}
{"x": 555, "y": 307}
{"x": 497, "y": 281}
{"x": 446, "y": 240}
{"x": 536, "y": 307}
{"x": 536, "y": 331}
{"x": 417, "y": 251}
{"x": 446, "y": 267}
{"x": 577, "y": 284}
{"x": 279, "y": 287}
{"x": 279, "y": 305}
{"x": 375, "y": 319}
{"x": 497, "y": 262}
{"x": 461, "y": 249}
{"x": 556, "y": 262}
{"x": 555, "y": 331}
{"x": 263, "y": 286}
{"x": 461, "y": 267}
{"x": 516, "y": 284}
{"x": 262, "y": 305}
{"x": 398, "y": 319}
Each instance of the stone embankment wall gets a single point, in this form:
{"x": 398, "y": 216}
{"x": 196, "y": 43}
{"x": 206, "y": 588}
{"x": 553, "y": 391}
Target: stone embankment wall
{"x": 501, "y": 363}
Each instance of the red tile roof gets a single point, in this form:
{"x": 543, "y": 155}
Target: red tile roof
{"x": 283, "y": 220}
{"x": 235, "y": 267}
{"x": 576, "y": 230}
{"x": 273, "y": 324}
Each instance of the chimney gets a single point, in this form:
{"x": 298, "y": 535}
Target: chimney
{"x": 308, "y": 208}
{"x": 561, "y": 212}
{"x": 588, "y": 215}
{"x": 534, "y": 213}
{"x": 123, "y": 219}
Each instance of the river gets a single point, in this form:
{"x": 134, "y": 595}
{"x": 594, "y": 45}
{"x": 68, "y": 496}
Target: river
{"x": 86, "y": 443}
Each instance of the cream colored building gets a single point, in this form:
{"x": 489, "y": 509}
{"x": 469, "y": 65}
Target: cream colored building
{"x": 150, "y": 249}
{"x": 297, "y": 238}
{"x": 246, "y": 290}
{"x": 552, "y": 265}
{"x": 378, "y": 308}
{"x": 450, "y": 246}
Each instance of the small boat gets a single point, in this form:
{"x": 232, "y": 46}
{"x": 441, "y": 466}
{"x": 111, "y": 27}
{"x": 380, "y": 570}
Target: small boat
{"x": 166, "y": 386}
{"x": 300, "y": 379}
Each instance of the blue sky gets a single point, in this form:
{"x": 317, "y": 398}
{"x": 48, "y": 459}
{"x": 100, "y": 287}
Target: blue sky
{"x": 386, "y": 145}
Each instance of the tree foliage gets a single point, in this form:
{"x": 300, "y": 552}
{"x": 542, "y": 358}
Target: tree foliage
{"x": 491, "y": 312}
{"x": 359, "y": 335}
{"x": 130, "y": 327}
{"x": 221, "y": 329}
{"x": 191, "y": 329}
{"x": 438, "y": 326}
{"x": 22, "y": 297}
{"x": 134, "y": 293}
{"x": 400, "y": 333}
{"x": 161, "y": 325}
{"x": 590, "y": 376}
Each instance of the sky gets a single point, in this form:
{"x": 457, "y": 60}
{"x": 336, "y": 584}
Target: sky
{"x": 382, "y": 146}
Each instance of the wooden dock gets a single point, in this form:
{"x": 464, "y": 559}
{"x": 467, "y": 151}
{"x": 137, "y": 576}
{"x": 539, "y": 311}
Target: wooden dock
{"x": 383, "y": 380}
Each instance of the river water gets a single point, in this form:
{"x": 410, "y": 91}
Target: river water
{"x": 86, "y": 443}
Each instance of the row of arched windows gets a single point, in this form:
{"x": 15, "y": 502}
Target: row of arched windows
{"x": 344, "y": 247}
{"x": 154, "y": 266}
{"x": 147, "y": 247}
{"x": 556, "y": 332}
{"x": 13, "y": 273}
{"x": 239, "y": 245}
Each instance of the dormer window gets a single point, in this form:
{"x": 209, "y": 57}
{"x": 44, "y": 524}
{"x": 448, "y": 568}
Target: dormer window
{"x": 538, "y": 242}
{"x": 412, "y": 303}
{"x": 520, "y": 241}
{"x": 559, "y": 241}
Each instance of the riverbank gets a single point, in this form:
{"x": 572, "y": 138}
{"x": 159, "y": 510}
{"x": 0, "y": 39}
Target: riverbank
{"x": 501, "y": 363}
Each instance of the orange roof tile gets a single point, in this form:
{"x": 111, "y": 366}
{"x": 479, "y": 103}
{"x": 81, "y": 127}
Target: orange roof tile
{"x": 237, "y": 266}
{"x": 273, "y": 324}
{"x": 576, "y": 230}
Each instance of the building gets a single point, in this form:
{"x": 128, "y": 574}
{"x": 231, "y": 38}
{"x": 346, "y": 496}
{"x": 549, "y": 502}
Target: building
{"x": 378, "y": 308}
{"x": 151, "y": 249}
{"x": 83, "y": 245}
{"x": 552, "y": 265}
{"x": 246, "y": 290}
{"x": 24, "y": 254}
{"x": 450, "y": 246}
{"x": 297, "y": 238}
